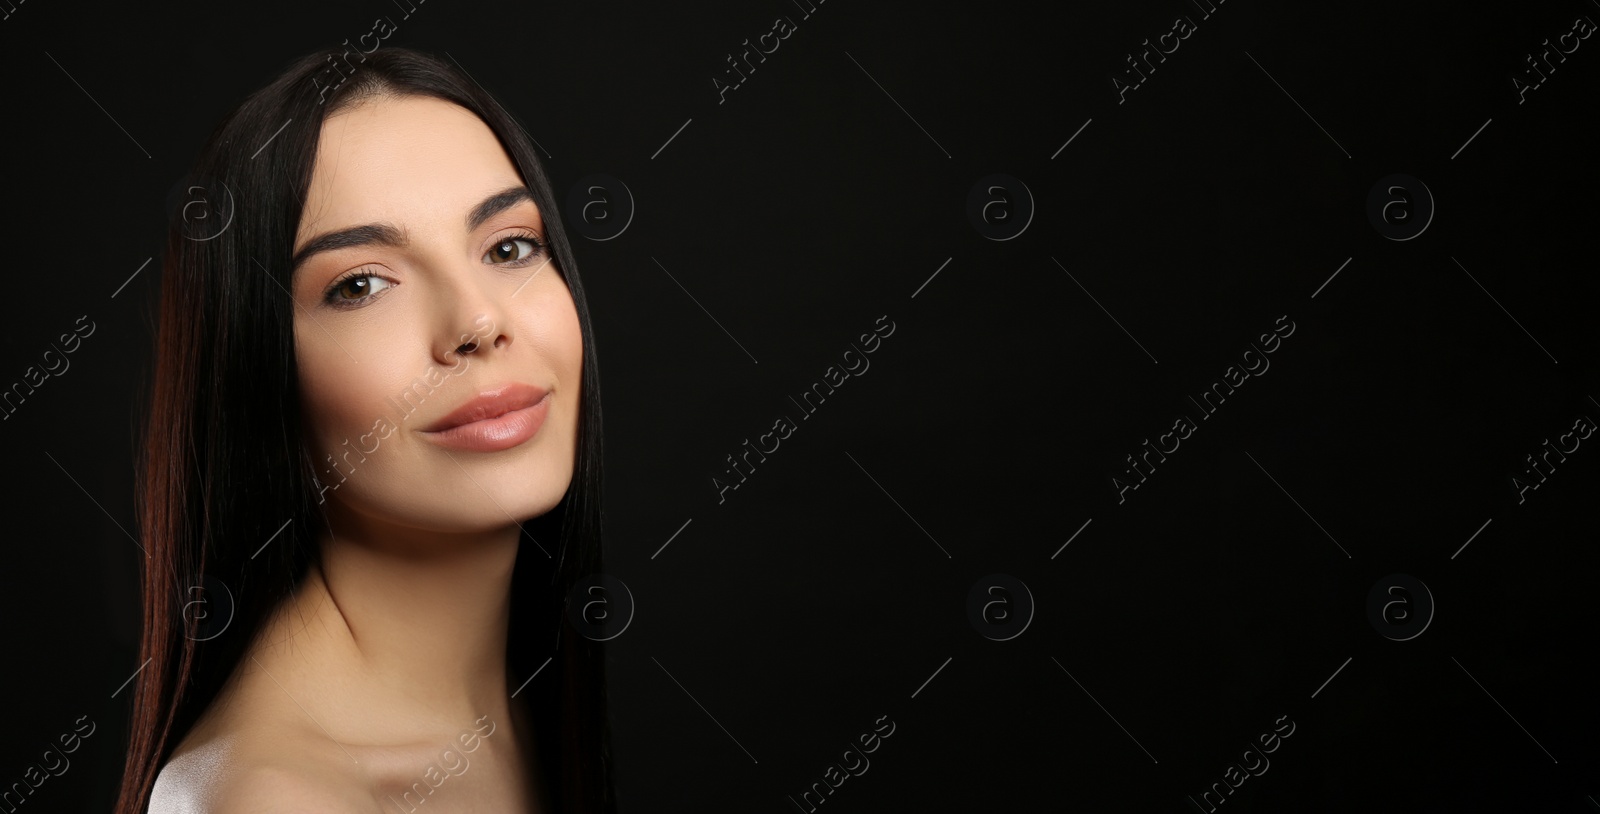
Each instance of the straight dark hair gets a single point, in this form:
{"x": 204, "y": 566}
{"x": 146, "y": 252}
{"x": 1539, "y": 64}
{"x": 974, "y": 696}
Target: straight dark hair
{"x": 224, "y": 463}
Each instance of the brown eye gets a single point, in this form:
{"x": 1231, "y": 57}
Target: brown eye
{"x": 357, "y": 288}
{"x": 511, "y": 250}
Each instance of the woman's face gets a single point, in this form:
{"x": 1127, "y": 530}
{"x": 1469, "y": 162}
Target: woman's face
{"x": 439, "y": 348}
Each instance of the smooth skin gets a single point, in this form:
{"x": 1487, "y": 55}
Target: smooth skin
{"x": 381, "y": 660}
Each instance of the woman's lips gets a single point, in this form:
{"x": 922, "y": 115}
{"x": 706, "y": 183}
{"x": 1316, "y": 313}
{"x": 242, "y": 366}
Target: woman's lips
{"x": 493, "y": 421}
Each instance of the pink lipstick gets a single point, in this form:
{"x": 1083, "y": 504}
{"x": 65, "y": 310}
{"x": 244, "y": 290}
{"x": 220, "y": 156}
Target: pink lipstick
{"x": 493, "y": 420}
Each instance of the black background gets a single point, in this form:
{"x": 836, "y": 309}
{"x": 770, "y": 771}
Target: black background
{"x": 774, "y": 228}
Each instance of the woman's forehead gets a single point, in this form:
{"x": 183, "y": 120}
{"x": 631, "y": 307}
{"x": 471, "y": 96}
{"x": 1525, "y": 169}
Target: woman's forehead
{"x": 408, "y": 160}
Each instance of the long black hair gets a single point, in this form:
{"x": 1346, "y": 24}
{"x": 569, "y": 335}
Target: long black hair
{"x": 224, "y": 465}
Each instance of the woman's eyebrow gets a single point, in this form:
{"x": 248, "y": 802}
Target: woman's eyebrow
{"x": 497, "y": 203}
{"x": 387, "y": 234}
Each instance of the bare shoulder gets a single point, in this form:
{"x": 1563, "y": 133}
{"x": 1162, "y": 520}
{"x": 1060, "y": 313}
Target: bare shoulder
{"x": 272, "y": 773}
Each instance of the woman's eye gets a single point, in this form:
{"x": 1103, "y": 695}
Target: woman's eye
{"x": 355, "y": 289}
{"x": 511, "y": 250}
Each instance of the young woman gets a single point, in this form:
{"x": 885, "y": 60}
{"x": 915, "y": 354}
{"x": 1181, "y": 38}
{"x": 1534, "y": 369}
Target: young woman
{"x": 371, "y": 472}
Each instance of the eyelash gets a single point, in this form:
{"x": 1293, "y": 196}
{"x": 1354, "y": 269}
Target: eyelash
{"x": 332, "y": 299}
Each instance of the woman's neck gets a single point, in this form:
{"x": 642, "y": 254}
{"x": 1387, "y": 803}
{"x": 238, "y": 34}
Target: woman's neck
{"x": 398, "y": 630}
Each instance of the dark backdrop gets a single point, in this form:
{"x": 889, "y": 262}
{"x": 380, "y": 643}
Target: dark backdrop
{"x": 1163, "y": 230}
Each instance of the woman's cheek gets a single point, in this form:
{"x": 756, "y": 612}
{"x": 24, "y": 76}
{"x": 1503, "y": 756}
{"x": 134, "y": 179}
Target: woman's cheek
{"x": 564, "y": 335}
{"x": 342, "y": 398}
